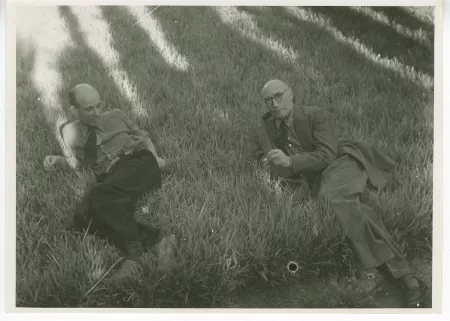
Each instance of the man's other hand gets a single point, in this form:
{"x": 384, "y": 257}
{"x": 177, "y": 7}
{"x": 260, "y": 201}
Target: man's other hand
{"x": 278, "y": 158}
{"x": 51, "y": 161}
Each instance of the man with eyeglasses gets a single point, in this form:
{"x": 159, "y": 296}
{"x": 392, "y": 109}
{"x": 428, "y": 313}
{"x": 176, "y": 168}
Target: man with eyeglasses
{"x": 299, "y": 142}
{"x": 126, "y": 166}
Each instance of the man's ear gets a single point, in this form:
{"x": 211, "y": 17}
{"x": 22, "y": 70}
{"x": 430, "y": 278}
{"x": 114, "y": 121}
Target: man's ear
{"x": 73, "y": 112}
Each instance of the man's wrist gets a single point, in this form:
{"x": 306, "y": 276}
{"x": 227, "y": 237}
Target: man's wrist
{"x": 62, "y": 161}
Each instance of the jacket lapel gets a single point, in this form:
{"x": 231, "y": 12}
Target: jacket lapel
{"x": 301, "y": 125}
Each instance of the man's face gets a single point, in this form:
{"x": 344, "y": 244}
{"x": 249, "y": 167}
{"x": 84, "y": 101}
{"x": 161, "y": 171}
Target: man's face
{"x": 278, "y": 100}
{"x": 89, "y": 113}
{"x": 89, "y": 105}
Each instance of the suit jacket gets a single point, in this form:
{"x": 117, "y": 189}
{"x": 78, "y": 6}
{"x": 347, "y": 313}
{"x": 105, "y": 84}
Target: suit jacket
{"x": 318, "y": 137}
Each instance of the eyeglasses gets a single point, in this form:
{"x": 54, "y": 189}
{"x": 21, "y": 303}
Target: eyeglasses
{"x": 278, "y": 96}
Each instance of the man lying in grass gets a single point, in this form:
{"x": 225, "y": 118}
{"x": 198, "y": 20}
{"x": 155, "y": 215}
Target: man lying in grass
{"x": 126, "y": 165}
{"x": 299, "y": 141}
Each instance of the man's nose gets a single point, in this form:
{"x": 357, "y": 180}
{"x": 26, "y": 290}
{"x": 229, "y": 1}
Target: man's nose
{"x": 275, "y": 103}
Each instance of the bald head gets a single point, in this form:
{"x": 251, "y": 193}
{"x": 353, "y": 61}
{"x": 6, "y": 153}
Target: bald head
{"x": 87, "y": 102}
{"x": 273, "y": 87}
{"x": 84, "y": 95}
{"x": 278, "y": 98}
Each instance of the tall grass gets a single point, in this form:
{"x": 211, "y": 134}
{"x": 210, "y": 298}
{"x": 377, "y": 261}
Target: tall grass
{"x": 236, "y": 228}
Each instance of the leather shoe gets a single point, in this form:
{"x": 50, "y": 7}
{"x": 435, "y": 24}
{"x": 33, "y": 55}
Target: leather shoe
{"x": 128, "y": 272}
{"x": 415, "y": 292}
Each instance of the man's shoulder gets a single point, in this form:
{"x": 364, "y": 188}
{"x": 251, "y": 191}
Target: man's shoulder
{"x": 71, "y": 126}
{"x": 71, "y": 132}
{"x": 112, "y": 113}
{"x": 311, "y": 112}
{"x": 309, "y": 109}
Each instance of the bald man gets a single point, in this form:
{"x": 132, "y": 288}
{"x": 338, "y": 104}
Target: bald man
{"x": 126, "y": 165}
{"x": 299, "y": 142}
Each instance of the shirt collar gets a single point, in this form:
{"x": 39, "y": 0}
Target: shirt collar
{"x": 85, "y": 129}
{"x": 289, "y": 121}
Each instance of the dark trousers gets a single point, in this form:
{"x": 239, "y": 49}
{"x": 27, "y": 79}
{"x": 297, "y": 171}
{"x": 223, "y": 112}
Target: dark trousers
{"x": 107, "y": 209}
{"x": 341, "y": 186}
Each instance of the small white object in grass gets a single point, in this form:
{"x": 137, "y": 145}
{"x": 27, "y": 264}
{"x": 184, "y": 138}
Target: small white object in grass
{"x": 144, "y": 209}
{"x": 292, "y": 267}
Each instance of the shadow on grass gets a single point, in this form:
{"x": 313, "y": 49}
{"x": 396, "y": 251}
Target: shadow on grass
{"x": 217, "y": 81}
{"x": 382, "y": 39}
{"x": 82, "y": 65}
{"x": 166, "y": 90}
{"x": 231, "y": 69}
{"x": 406, "y": 18}
{"x": 348, "y": 77}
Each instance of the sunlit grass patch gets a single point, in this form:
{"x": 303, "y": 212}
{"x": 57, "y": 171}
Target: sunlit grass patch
{"x": 405, "y": 71}
{"x": 244, "y": 23}
{"x": 151, "y": 26}
{"x": 416, "y": 34}
{"x": 100, "y": 40}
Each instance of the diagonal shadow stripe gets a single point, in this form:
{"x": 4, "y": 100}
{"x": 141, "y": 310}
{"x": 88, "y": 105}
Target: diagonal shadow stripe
{"x": 416, "y": 34}
{"x": 364, "y": 96}
{"x": 151, "y": 26}
{"x": 404, "y": 16}
{"x": 82, "y": 65}
{"x": 97, "y": 36}
{"x": 380, "y": 38}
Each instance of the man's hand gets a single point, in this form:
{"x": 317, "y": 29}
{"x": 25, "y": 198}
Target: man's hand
{"x": 51, "y": 161}
{"x": 264, "y": 162}
{"x": 278, "y": 158}
{"x": 137, "y": 142}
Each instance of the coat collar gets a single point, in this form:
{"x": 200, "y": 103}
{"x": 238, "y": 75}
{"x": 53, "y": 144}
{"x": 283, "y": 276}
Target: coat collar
{"x": 289, "y": 121}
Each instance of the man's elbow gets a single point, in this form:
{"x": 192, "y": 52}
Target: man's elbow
{"x": 329, "y": 157}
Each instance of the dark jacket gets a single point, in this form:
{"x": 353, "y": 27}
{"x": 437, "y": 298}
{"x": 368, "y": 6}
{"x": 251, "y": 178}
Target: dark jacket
{"x": 318, "y": 137}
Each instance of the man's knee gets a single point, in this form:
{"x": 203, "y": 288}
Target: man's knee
{"x": 325, "y": 195}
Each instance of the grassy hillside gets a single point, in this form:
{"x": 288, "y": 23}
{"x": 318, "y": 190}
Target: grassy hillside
{"x": 191, "y": 76}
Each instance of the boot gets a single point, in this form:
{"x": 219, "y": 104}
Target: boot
{"x": 130, "y": 268}
{"x": 166, "y": 253}
{"x": 415, "y": 291}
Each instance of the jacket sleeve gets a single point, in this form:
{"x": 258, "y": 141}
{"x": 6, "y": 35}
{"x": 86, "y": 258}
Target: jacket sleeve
{"x": 324, "y": 144}
{"x": 134, "y": 128}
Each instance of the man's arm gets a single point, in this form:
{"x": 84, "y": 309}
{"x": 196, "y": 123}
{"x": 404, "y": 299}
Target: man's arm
{"x": 135, "y": 130}
{"x": 51, "y": 162}
{"x": 325, "y": 146}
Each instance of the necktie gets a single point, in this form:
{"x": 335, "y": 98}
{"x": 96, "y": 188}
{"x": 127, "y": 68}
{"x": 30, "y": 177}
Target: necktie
{"x": 283, "y": 138}
{"x": 90, "y": 149}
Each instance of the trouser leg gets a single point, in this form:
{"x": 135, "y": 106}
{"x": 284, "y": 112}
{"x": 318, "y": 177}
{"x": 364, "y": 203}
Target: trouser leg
{"x": 341, "y": 186}
{"x": 109, "y": 205}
